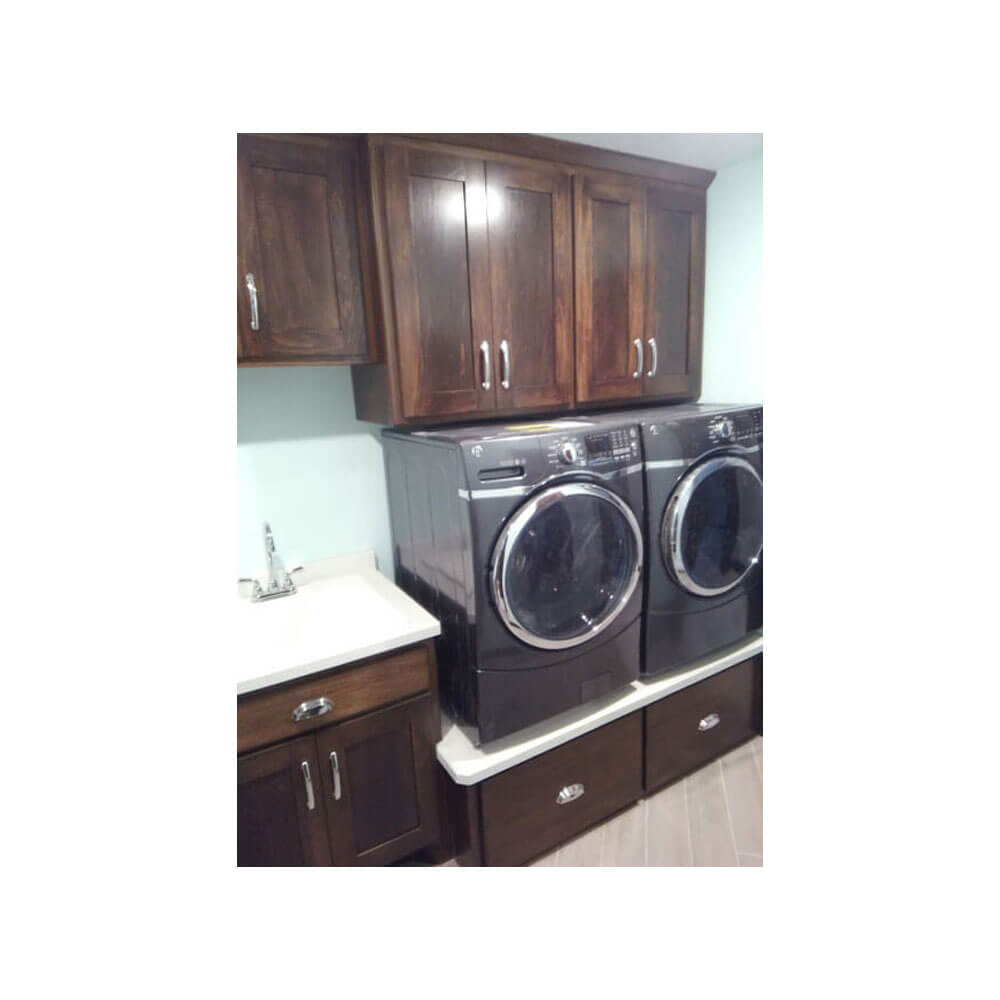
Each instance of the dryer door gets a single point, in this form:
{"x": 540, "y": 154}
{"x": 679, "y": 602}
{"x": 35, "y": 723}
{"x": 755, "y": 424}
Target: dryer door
{"x": 712, "y": 532}
{"x": 565, "y": 565}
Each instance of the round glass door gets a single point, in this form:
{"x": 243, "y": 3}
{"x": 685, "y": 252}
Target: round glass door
{"x": 712, "y": 533}
{"x": 566, "y": 564}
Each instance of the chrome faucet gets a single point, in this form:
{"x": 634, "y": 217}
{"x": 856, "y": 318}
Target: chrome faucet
{"x": 279, "y": 581}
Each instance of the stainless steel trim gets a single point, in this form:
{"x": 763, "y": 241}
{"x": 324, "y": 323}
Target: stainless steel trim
{"x": 508, "y": 538}
{"x": 569, "y": 794}
{"x": 519, "y": 491}
{"x": 484, "y": 350}
{"x": 638, "y": 358}
{"x": 312, "y": 709}
{"x": 709, "y": 722}
{"x": 254, "y": 313}
{"x": 463, "y": 494}
{"x": 670, "y": 463}
{"x": 307, "y": 778}
{"x": 673, "y": 522}
{"x": 656, "y": 357}
{"x": 335, "y": 769}
{"x": 505, "y": 364}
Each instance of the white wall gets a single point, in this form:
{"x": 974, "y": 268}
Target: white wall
{"x": 316, "y": 473}
{"x": 733, "y": 366}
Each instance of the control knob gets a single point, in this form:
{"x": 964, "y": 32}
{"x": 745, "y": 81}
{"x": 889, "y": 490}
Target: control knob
{"x": 568, "y": 452}
{"x": 725, "y": 429}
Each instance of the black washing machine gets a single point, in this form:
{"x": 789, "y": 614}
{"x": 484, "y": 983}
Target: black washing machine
{"x": 526, "y": 542}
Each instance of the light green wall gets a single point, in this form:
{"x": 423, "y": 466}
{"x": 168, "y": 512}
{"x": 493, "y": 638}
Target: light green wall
{"x": 733, "y": 366}
{"x": 305, "y": 464}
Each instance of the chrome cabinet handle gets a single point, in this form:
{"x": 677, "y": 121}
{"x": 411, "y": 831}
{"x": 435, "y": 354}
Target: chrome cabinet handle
{"x": 484, "y": 350}
{"x": 254, "y": 314}
{"x": 656, "y": 358}
{"x": 638, "y": 358}
{"x": 307, "y": 778}
{"x": 504, "y": 364}
{"x": 312, "y": 709}
{"x": 709, "y": 722}
{"x": 335, "y": 768}
{"x": 569, "y": 794}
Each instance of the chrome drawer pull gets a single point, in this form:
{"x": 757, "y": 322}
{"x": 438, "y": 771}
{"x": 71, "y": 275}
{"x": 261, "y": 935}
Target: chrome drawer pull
{"x": 307, "y": 778}
{"x": 335, "y": 768}
{"x": 254, "y": 314}
{"x": 311, "y": 709}
{"x": 569, "y": 793}
{"x": 638, "y": 358}
{"x": 505, "y": 366}
{"x": 656, "y": 357}
{"x": 484, "y": 350}
{"x": 709, "y": 722}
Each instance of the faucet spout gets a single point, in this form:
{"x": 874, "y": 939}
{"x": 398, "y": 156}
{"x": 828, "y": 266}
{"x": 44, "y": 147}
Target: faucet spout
{"x": 276, "y": 577}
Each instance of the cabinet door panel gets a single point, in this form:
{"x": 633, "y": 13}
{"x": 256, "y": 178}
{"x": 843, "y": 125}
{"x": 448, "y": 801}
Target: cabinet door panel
{"x": 275, "y": 825}
{"x": 387, "y": 805}
{"x": 299, "y": 237}
{"x": 436, "y": 213}
{"x": 609, "y": 287}
{"x": 675, "y": 256}
{"x": 531, "y": 270}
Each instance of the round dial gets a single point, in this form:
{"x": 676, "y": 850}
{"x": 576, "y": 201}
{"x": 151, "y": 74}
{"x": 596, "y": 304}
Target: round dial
{"x": 568, "y": 452}
{"x": 725, "y": 429}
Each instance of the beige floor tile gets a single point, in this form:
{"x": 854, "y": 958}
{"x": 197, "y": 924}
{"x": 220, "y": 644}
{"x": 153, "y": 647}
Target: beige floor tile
{"x": 550, "y": 860}
{"x": 745, "y": 799}
{"x": 668, "y": 839}
{"x": 624, "y": 843}
{"x": 750, "y": 861}
{"x": 758, "y": 755}
{"x": 708, "y": 816}
{"x": 584, "y": 852}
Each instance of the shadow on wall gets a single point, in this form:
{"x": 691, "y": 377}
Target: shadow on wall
{"x": 282, "y": 404}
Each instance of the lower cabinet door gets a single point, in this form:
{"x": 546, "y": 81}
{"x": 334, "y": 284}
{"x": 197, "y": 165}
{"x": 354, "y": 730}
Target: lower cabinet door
{"x": 536, "y": 805}
{"x": 701, "y": 722}
{"x": 379, "y": 783}
{"x": 279, "y": 804}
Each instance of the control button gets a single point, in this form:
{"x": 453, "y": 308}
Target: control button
{"x": 568, "y": 452}
{"x": 726, "y": 429}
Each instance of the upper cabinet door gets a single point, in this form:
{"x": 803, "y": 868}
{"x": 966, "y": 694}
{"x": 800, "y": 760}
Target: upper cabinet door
{"x": 436, "y": 214}
{"x": 300, "y": 288}
{"x": 531, "y": 272}
{"x": 675, "y": 291}
{"x": 610, "y": 243}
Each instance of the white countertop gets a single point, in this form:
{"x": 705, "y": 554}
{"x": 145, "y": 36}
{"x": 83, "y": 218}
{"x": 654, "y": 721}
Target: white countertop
{"x": 468, "y": 764}
{"x": 345, "y": 610}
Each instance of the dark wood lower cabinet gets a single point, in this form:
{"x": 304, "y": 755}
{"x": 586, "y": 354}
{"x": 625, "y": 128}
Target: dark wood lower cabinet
{"x": 281, "y": 819}
{"x": 379, "y": 783}
{"x": 361, "y": 792}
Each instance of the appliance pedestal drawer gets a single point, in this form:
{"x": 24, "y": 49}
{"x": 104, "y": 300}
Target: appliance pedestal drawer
{"x": 541, "y": 803}
{"x": 701, "y": 722}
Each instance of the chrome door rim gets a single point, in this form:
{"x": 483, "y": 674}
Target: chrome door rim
{"x": 673, "y": 520}
{"x": 511, "y": 532}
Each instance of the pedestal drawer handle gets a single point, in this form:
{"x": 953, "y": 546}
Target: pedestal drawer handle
{"x": 569, "y": 793}
{"x": 709, "y": 722}
{"x": 310, "y": 709}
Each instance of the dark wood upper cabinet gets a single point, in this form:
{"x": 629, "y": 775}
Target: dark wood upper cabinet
{"x": 440, "y": 282}
{"x": 531, "y": 272}
{"x": 303, "y": 250}
{"x": 610, "y": 251}
{"x": 675, "y": 291}
{"x": 379, "y": 782}
{"x": 280, "y": 809}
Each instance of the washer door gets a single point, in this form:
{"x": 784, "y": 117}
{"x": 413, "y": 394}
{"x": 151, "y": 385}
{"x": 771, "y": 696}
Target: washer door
{"x": 565, "y": 565}
{"x": 712, "y": 533}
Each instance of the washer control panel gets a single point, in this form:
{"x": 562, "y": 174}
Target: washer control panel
{"x": 745, "y": 428}
{"x": 612, "y": 447}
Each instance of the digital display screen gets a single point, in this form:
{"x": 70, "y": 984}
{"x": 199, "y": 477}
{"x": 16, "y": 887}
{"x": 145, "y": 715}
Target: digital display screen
{"x": 600, "y": 443}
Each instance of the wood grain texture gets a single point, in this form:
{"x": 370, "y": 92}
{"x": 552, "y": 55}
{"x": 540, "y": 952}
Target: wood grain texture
{"x": 531, "y": 271}
{"x": 266, "y": 716}
{"x": 274, "y": 826}
{"x": 388, "y": 806}
{"x": 609, "y": 242}
{"x": 301, "y": 235}
{"x": 520, "y": 816}
{"x": 437, "y": 237}
{"x": 674, "y": 745}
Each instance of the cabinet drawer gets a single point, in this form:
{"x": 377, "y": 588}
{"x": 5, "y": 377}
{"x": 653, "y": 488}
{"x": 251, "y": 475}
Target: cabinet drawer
{"x": 521, "y": 813}
{"x": 701, "y": 722}
{"x": 267, "y": 717}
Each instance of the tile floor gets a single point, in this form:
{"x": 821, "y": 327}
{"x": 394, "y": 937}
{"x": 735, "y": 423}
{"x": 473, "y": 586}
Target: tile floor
{"x": 711, "y": 818}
